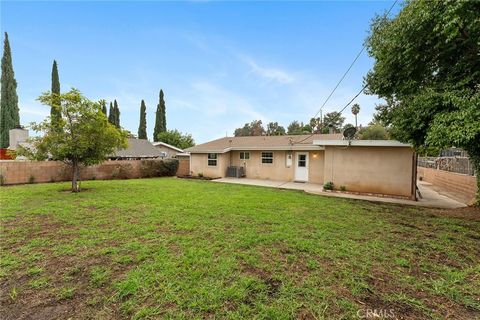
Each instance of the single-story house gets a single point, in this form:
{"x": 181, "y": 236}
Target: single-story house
{"x": 368, "y": 166}
{"x": 137, "y": 149}
{"x": 168, "y": 150}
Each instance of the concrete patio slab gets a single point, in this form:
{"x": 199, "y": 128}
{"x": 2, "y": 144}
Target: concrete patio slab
{"x": 430, "y": 197}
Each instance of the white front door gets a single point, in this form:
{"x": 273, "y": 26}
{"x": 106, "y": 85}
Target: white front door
{"x": 301, "y": 166}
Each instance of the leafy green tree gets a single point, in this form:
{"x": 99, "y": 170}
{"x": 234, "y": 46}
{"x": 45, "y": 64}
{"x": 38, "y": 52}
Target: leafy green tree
{"x": 295, "y": 128}
{"x": 176, "y": 138}
{"x": 82, "y": 137}
{"x": 427, "y": 69}
{"x": 315, "y": 125}
{"x": 116, "y": 112}
{"x": 373, "y": 132}
{"x": 355, "y": 111}
{"x": 142, "y": 128}
{"x": 55, "y": 109}
{"x": 333, "y": 120}
{"x": 9, "y": 113}
{"x": 111, "y": 114}
{"x": 254, "y": 128}
{"x": 160, "y": 117}
{"x": 274, "y": 129}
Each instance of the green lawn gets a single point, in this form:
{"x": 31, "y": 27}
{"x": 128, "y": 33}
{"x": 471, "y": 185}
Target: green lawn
{"x": 174, "y": 248}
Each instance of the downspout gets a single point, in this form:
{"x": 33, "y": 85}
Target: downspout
{"x": 414, "y": 176}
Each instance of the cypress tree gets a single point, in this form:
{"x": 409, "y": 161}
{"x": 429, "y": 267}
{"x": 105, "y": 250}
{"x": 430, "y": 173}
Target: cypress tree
{"x": 162, "y": 108}
{"x": 142, "y": 128}
{"x": 111, "y": 114}
{"x": 117, "y": 113}
{"x": 9, "y": 113}
{"x": 55, "y": 111}
{"x": 158, "y": 118}
{"x": 104, "y": 107}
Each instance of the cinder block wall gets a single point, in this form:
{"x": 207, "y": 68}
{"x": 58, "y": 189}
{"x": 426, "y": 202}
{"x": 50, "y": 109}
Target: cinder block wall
{"x": 461, "y": 184}
{"x": 20, "y": 172}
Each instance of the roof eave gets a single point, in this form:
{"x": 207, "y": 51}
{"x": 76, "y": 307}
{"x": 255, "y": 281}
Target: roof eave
{"x": 309, "y": 147}
{"x": 362, "y": 143}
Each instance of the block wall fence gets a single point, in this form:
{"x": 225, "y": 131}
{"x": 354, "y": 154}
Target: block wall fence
{"x": 21, "y": 172}
{"x": 460, "y": 184}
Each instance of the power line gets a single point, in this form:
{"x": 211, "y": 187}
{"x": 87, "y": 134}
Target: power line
{"x": 343, "y": 77}
{"x": 339, "y": 113}
{"x": 350, "y": 67}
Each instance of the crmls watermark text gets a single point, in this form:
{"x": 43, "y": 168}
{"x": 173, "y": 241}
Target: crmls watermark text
{"x": 376, "y": 313}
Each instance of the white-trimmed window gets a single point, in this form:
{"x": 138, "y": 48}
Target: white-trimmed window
{"x": 244, "y": 155}
{"x": 267, "y": 157}
{"x": 212, "y": 159}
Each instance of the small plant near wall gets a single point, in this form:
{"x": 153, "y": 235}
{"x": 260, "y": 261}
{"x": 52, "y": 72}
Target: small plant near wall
{"x": 328, "y": 186}
{"x": 31, "y": 179}
{"x": 343, "y": 188}
{"x": 200, "y": 175}
{"x": 2, "y": 180}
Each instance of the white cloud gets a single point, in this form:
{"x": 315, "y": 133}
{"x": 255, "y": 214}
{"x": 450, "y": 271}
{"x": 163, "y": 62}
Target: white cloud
{"x": 269, "y": 73}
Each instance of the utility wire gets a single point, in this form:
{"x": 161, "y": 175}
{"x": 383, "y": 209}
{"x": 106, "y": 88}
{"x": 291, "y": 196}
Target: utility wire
{"x": 343, "y": 77}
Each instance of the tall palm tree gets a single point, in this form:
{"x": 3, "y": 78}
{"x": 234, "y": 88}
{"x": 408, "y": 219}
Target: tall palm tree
{"x": 355, "y": 111}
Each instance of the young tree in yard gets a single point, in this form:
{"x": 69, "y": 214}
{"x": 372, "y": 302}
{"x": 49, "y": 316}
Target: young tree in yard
{"x": 355, "y": 111}
{"x": 160, "y": 117}
{"x": 54, "y": 111}
{"x": 111, "y": 114}
{"x": 9, "y": 113}
{"x": 82, "y": 137}
{"x": 142, "y": 128}
{"x": 274, "y": 129}
{"x": 427, "y": 68}
{"x": 176, "y": 138}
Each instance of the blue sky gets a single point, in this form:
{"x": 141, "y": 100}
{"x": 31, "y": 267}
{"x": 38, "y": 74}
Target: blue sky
{"x": 220, "y": 64}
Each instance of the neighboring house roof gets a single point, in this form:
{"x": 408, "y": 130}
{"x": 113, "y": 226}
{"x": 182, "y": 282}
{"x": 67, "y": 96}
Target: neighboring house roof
{"x": 286, "y": 142}
{"x": 160, "y": 143}
{"x": 138, "y": 148}
{"x": 362, "y": 143}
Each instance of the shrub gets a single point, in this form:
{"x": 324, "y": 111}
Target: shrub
{"x": 31, "y": 179}
{"x": 2, "y": 180}
{"x": 328, "y": 186}
{"x": 158, "y": 168}
{"x": 343, "y": 188}
{"x": 169, "y": 167}
{"x": 200, "y": 175}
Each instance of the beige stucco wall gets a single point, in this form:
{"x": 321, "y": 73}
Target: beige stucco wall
{"x": 316, "y": 166}
{"x": 254, "y": 167}
{"x": 199, "y": 165}
{"x": 385, "y": 170}
{"x": 171, "y": 153}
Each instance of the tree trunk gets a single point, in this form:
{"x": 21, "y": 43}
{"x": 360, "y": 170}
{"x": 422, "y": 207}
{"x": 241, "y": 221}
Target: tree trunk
{"x": 75, "y": 175}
